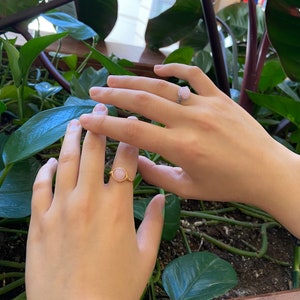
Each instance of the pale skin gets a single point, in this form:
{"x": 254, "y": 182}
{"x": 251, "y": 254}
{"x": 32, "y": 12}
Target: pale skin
{"x": 82, "y": 241}
{"x": 220, "y": 152}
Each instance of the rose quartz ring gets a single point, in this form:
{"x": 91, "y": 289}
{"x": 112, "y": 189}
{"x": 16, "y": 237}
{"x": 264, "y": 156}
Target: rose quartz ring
{"x": 119, "y": 174}
{"x": 183, "y": 94}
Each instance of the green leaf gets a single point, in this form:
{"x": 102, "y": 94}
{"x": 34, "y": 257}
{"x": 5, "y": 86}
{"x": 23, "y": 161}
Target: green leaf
{"x": 30, "y": 50}
{"x": 101, "y": 15}
{"x": 13, "y": 58}
{"x": 287, "y": 107}
{"x": 46, "y": 89}
{"x": 66, "y": 23}
{"x": 9, "y": 7}
{"x": 236, "y": 16}
{"x": 110, "y": 65}
{"x": 173, "y": 24}
{"x": 199, "y": 275}
{"x": 40, "y": 131}
{"x": 203, "y": 60}
{"x": 89, "y": 77}
{"x": 172, "y": 215}
{"x": 16, "y": 191}
{"x": 2, "y": 108}
{"x": 283, "y": 23}
{"x": 182, "y": 55}
{"x": 272, "y": 74}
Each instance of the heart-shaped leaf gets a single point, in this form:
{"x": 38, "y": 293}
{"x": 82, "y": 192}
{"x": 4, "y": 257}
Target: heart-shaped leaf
{"x": 199, "y": 275}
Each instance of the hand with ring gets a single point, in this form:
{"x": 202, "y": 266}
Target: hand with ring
{"x": 82, "y": 241}
{"x": 219, "y": 151}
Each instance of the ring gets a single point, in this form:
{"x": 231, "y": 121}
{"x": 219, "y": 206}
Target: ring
{"x": 183, "y": 94}
{"x": 120, "y": 174}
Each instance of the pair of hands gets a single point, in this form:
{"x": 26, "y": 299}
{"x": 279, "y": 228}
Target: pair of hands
{"x": 82, "y": 241}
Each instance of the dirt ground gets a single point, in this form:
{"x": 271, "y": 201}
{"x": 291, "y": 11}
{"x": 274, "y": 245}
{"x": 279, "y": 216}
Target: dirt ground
{"x": 255, "y": 275}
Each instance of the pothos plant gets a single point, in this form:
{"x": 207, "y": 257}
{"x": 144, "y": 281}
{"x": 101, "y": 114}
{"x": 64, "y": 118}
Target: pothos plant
{"x": 40, "y": 120}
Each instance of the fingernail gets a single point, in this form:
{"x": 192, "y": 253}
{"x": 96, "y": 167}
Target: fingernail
{"x": 74, "y": 125}
{"x": 132, "y": 117}
{"x": 99, "y": 109}
{"x": 93, "y": 91}
{"x": 157, "y": 67}
{"x": 52, "y": 161}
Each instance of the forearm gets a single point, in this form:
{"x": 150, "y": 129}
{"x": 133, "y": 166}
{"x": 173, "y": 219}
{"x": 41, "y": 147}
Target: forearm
{"x": 277, "y": 191}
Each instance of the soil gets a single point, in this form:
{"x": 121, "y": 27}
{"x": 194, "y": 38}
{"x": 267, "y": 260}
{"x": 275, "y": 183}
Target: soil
{"x": 256, "y": 275}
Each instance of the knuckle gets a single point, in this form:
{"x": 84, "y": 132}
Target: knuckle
{"x": 161, "y": 85}
{"x": 67, "y": 157}
{"x": 131, "y": 129}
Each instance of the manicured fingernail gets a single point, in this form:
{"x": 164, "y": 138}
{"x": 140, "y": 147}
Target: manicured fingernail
{"x": 100, "y": 109}
{"x": 132, "y": 117}
{"x": 74, "y": 125}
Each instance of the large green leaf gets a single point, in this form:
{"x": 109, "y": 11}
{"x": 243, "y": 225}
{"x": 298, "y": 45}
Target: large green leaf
{"x": 172, "y": 215}
{"x": 101, "y": 15}
{"x": 16, "y": 191}
{"x": 66, "y": 23}
{"x": 287, "y": 107}
{"x": 30, "y": 50}
{"x": 199, "y": 275}
{"x": 173, "y": 24}
{"x": 40, "y": 131}
{"x": 236, "y": 16}
{"x": 283, "y": 23}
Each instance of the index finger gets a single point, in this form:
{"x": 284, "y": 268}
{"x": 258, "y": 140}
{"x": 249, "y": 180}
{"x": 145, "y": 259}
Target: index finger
{"x": 131, "y": 131}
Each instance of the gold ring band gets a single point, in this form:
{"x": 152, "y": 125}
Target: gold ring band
{"x": 120, "y": 174}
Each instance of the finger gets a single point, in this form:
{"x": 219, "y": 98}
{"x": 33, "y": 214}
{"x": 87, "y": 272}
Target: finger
{"x": 124, "y": 168}
{"x": 92, "y": 161}
{"x": 195, "y": 76}
{"x": 68, "y": 163}
{"x": 149, "y": 232}
{"x": 149, "y": 105}
{"x": 172, "y": 179}
{"x": 159, "y": 87}
{"x": 131, "y": 131}
{"x": 42, "y": 188}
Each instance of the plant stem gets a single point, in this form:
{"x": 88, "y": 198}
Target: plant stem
{"x": 214, "y": 38}
{"x": 12, "y": 264}
{"x": 296, "y": 265}
{"x": 11, "y": 286}
{"x": 202, "y": 215}
{"x": 4, "y": 173}
{"x": 251, "y": 59}
{"x": 185, "y": 240}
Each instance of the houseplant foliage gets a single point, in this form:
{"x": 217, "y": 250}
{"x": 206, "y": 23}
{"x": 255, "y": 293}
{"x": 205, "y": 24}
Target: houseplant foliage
{"x": 39, "y": 123}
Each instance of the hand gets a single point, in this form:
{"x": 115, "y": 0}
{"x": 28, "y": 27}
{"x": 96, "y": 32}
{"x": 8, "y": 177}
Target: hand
{"x": 82, "y": 241}
{"x": 222, "y": 153}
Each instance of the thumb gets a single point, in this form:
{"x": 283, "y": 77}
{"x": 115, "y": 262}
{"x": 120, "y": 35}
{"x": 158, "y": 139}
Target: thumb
{"x": 149, "y": 232}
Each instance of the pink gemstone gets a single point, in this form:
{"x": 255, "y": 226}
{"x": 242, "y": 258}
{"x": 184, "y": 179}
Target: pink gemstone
{"x": 184, "y": 92}
{"x": 119, "y": 174}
